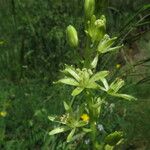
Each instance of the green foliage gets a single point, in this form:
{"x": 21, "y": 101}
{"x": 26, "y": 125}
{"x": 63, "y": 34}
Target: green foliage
{"x": 33, "y": 48}
{"x": 87, "y": 81}
{"x": 113, "y": 138}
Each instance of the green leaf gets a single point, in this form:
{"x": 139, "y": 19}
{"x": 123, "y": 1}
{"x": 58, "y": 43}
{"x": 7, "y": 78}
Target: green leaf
{"x": 98, "y": 104}
{"x": 1, "y": 42}
{"x": 77, "y": 91}
{"x": 81, "y": 124}
{"x": 113, "y": 138}
{"x": 94, "y": 62}
{"x": 108, "y": 147}
{"x": 78, "y": 136}
{"x": 124, "y": 96}
{"x": 70, "y": 136}
{"x": 101, "y": 88}
{"x": 72, "y": 72}
{"x": 52, "y": 118}
{"x": 87, "y": 130}
{"x": 92, "y": 85}
{"x": 55, "y": 119}
{"x": 116, "y": 85}
{"x": 99, "y": 76}
{"x": 104, "y": 81}
{"x": 69, "y": 81}
{"x": 113, "y": 49}
{"x": 66, "y": 106}
{"x": 58, "y": 130}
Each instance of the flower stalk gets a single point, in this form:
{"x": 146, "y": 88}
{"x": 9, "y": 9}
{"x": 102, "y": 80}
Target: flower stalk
{"x": 83, "y": 118}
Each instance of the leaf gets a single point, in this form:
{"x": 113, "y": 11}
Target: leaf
{"x": 101, "y": 88}
{"x": 98, "y": 104}
{"x": 108, "y": 147}
{"x": 104, "y": 81}
{"x": 99, "y": 76}
{"x": 52, "y": 118}
{"x": 58, "y": 130}
{"x": 1, "y": 42}
{"x": 77, "y": 91}
{"x": 94, "y": 62}
{"x": 81, "y": 124}
{"x": 55, "y": 119}
{"x": 78, "y": 136}
{"x": 70, "y": 136}
{"x": 147, "y": 6}
{"x": 130, "y": 21}
{"x": 113, "y": 49}
{"x": 113, "y": 138}
{"x": 66, "y": 106}
{"x": 87, "y": 130}
{"x": 124, "y": 96}
{"x": 69, "y": 81}
{"x": 116, "y": 85}
{"x": 73, "y": 73}
{"x": 120, "y": 142}
{"x": 92, "y": 85}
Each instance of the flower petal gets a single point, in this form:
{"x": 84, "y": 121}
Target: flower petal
{"x": 99, "y": 76}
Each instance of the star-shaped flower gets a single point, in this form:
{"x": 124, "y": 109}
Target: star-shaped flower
{"x": 82, "y": 79}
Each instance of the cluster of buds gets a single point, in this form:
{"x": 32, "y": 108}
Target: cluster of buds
{"x": 96, "y": 28}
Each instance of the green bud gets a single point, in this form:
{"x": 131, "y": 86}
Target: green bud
{"x": 72, "y": 36}
{"x": 89, "y": 7}
{"x": 96, "y": 28}
{"x": 101, "y": 22}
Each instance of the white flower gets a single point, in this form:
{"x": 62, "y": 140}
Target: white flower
{"x": 87, "y": 141}
{"x": 100, "y": 127}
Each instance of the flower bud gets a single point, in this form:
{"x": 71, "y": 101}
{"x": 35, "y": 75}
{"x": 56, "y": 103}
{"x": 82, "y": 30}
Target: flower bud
{"x": 96, "y": 28}
{"x": 72, "y": 36}
{"x": 89, "y": 7}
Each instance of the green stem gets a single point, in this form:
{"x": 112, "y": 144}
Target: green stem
{"x": 93, "y": 134}
{"x": 72, "y": 101}
{"x": 87, "y": 54}
{"x": 93, "y": 119}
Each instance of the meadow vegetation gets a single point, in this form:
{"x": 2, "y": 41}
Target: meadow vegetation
{"x": 33, "y": 50}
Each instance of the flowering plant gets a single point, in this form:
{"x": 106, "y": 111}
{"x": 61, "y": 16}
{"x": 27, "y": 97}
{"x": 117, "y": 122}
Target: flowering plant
{"x": 83, "y": 120}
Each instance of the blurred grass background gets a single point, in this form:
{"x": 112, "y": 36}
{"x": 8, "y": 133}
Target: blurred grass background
{"x": 33, "y": 49}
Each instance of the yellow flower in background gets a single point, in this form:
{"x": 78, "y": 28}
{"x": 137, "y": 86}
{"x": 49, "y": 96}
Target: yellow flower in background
{"x": 3, "y": 113}
{"x": 85, "y": 117}
{"x": 118, "y": 66}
